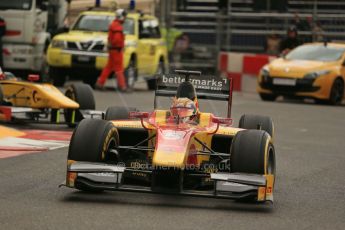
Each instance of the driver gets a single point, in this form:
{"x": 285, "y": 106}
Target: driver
{"x": 184, "y": 102}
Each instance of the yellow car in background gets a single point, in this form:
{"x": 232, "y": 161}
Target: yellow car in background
{"x": 82, "y": 52}
{"x": 315, "y": 70}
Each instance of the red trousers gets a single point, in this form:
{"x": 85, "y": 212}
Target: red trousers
{"x": 114, "y": 65}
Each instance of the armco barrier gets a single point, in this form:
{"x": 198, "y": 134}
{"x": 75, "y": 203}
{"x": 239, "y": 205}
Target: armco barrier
{"x": 243, "y": 68}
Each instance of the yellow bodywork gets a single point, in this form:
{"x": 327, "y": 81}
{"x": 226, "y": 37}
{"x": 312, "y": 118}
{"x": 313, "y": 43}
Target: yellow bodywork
{"x": 146, "y": 51}
{"x": 176, "y": 153}
{"x": 297, "y": 69}
{"x": 37, "y": 96}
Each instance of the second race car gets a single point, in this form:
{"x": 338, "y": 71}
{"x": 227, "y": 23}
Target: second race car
{"x": 42, "y": 102}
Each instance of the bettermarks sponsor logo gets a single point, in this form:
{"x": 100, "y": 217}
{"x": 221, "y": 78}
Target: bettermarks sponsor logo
{"x": 208, "y": 82}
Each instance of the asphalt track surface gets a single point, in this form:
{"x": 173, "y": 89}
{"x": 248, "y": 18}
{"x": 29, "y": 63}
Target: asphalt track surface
{"x": 309, "y": 193}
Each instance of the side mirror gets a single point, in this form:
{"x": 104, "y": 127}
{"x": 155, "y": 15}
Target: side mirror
{"x": 33, "y": 77}
{"x": 140, "y": 115}
{"x": 221, "y": 120}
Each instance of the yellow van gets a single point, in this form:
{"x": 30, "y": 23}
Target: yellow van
{"x": 82, "y": 51}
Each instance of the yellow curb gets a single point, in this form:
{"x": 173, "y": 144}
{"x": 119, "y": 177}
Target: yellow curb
{"x": 8, "y": 132}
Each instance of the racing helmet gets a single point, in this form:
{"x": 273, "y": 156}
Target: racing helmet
{"x": 120, "y": 14}
{"x": 184, "y": 108}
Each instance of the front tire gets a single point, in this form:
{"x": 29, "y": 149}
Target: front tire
{"x": 252, "y": 151}
{"x": 91, "y": 142}
{"x": 83, "y": 95}
{"x": 337, "y": 92}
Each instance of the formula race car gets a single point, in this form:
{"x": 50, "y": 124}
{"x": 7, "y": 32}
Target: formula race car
{"x": 32, "y": 102}
{"x": 177, "y": 151}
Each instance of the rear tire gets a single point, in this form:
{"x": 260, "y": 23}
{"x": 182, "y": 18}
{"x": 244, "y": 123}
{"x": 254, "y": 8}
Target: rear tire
{"x": 250, "y": 121}
{"x": 268, "y": 97}
{"x": 58, "y": 75}
{"x": 118, "y": 113}
{"x": 83, "y": 95}
{"x": 91, "y": 142}
{"x": 252, "y": 151}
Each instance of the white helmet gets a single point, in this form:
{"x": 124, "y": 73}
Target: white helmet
{"x": 120, "y": 14}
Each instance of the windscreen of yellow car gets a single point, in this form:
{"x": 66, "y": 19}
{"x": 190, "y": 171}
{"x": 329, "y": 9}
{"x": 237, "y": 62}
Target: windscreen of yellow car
{"x": 100, "y": 23}
{"x": 316, "y": 53}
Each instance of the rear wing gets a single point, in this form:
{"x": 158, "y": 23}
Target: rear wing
{"x": 207, "y": 87}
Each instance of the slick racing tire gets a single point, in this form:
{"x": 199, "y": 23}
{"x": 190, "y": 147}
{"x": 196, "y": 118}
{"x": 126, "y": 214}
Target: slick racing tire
{"x": 83, "y": 95}
{"x": 118, "y": 113}
{"x": 252, "y": 151}
{"x": 250, "y": 121}
{"x": 268, "y": 97}
{"x": 91, "y": 142}
{"x": 57, "y": 75}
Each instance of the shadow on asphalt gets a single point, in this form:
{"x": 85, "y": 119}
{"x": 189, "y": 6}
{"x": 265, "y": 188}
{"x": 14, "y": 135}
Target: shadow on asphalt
{"x": 163, "y": 200}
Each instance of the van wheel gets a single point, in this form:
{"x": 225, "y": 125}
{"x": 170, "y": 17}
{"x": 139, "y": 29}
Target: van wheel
{"x": 131, "y": 74}
{"x": 268, "y": 97}
{"x": 83, "y": 95}
{"x": 337, "y": 92}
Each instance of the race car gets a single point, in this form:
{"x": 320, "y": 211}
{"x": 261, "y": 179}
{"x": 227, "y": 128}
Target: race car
{"x": 314, "y": 70}
{"x": 28, "y": 101}
{"x": 180, "y": 150}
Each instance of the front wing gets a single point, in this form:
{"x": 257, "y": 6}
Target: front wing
{"x": 225, "y": 185}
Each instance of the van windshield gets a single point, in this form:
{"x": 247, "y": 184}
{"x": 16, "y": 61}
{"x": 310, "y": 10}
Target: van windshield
{"x": 15, "y": 5}
{"x": 100, "y": 23}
